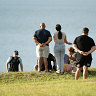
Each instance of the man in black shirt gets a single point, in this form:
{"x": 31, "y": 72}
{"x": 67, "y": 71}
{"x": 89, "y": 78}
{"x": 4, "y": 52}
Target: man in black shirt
{"x": 84, "y": 45}
{"x": 42, "y": 38}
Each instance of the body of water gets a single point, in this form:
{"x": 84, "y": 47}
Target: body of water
{"x": 19, "y": 19}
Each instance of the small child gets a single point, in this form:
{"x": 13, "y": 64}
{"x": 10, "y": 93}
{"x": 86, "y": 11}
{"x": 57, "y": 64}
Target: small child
{"x": 70, "y": 61}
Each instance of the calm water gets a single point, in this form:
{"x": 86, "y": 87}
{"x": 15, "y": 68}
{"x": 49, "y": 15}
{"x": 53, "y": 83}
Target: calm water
{"x": 20, "y": 18}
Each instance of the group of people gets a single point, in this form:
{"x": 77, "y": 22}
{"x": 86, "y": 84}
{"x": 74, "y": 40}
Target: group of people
{"x": 79, "y": 57}
{"x": 83, "y": 45}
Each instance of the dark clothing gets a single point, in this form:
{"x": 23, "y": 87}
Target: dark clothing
{"x": 42, "y": 35}
{"x": 84, "y": 43}
{"x": 85, "y": 60}
{"x": 49, "y": 59}
{"x": 14, "y": 64}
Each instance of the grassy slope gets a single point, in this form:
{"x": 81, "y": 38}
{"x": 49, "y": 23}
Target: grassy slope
{"x": 46, "y": 84}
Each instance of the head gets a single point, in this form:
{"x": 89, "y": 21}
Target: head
{"x": 85, "y": 31}
{"x": 71, "y": 51}
{"x": 15, "y": 53}
{"x": 58, "y": 27}
{"x": 42, "y": 25}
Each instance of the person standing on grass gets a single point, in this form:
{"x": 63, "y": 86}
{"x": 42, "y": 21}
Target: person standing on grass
{"x": 14, "y": 62}
{"x": 42, "y": 38}
{"x": 59, "y": 49}
{"x": 50, "y": 67}
{"x": 84, "y": 45}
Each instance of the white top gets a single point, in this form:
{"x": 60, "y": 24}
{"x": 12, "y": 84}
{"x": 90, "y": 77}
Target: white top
{"x": 55, "y": 35}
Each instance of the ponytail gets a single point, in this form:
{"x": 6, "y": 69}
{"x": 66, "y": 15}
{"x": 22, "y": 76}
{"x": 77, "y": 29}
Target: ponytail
{"x": 58, "y": 28}
{"x": 59, "y": 35}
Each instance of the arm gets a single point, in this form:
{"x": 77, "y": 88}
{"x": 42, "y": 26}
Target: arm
{"x": 75, "y": 47}
{"x": 34, "y": 39}
{"x": 7, "y": 66}
{"x": 8, "y": 62}
{"x": 53, "y": 39}
{"x": 92, "y": 50}
{"x": 49, "y": 40}
{"x": 65, "y": 41}
{"x": 21, "y": 67}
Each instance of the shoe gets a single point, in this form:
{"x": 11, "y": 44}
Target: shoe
{"x": 39, "y": 70}
{"x": 57, "y": 72}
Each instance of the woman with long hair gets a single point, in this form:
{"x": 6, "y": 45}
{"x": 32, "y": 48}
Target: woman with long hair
{"x": 59, "y": 49}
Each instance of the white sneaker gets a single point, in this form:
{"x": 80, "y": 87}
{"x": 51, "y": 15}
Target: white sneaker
{"x": 57, "y": 72}
{"x": 38, "y": 70}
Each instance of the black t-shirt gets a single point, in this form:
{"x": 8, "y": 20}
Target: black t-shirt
{"x": 42, "y": 35}
{"x": 84, "y": 43}
{"x": 49, "y": 59}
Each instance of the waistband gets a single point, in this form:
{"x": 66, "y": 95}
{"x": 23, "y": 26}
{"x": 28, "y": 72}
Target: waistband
{"x": 59, "y": 43}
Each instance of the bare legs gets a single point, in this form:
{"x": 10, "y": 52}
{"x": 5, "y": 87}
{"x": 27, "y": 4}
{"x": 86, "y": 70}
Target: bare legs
{"x": 77, "y": 74}
{"x": 40, "y": 60}
{"x": 46, "y": 64}
{"x": 39, "y": 63}
{"x": 85, "y": 72}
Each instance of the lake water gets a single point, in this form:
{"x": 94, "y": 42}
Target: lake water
{"x": 19, "y": 19}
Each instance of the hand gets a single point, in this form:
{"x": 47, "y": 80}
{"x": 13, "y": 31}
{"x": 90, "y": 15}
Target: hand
{"x": 41, "y": 45}
{"x": 85, "y": 53}
{"x": 70, "y": 43}
{"x": 81, "y": 52}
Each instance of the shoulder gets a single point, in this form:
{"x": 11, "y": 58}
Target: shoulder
{"x": 55, "y": 34}
{"x": 78, "y": 37}
{"x": 37, "y": 30}
{"x": 47, "y": 30}
{"x": 19, "y": 58}
{"x": 47, "y": 33}
{"x": 64, "y": 33}
{"x": 9, "y": 59}
{"x": 90, "y": 38}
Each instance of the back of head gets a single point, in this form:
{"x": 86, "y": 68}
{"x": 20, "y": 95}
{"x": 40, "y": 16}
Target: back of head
{"x": 16, "y": 52}
{"x": 71, "y": 50}
{"x": 58, "y": 28}
{"x": 42, "y": 25}
{"x": 85, "y": 30}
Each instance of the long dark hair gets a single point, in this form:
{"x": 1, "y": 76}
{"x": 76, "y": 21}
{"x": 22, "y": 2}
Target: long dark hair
{"x": 58, "y": 28}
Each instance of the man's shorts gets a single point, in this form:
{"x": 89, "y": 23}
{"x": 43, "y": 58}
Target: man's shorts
{"x": 84, "y": 62}
{"x": 42, "y": 51}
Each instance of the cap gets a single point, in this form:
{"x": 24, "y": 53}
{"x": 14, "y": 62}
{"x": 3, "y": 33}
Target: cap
{"x": 16, "y": 52}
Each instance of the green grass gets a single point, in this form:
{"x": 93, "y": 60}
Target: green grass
{"x": 46, "y": 84}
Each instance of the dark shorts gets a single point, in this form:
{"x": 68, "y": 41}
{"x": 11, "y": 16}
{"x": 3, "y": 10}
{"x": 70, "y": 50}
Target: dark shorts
{"x": 84, "y": 62}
